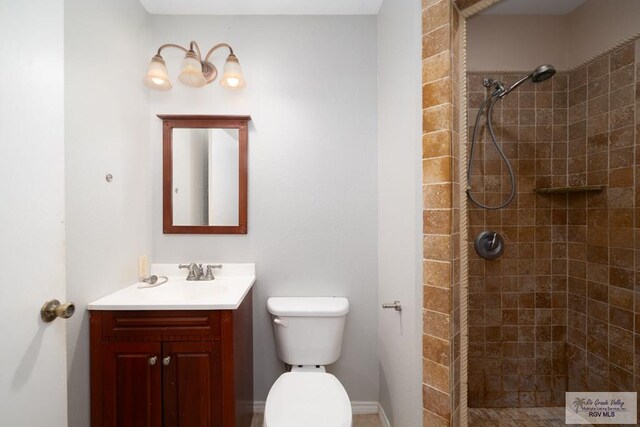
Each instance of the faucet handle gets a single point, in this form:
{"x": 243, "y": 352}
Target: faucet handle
{"x": 192, "y": 270}
{"x": 210, "y": 267}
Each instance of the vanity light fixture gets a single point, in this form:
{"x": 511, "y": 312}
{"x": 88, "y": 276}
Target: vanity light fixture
{"x": 196, "y": 71}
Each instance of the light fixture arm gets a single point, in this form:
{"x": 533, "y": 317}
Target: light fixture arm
{"x": 216, "y": 47}
{"x": 194, "y": 46}
{"x": 170, "y": 45}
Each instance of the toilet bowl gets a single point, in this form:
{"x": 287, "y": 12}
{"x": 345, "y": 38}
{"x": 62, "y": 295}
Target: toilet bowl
{"x": 308, "y": 335}
{"x": 307, "y": 399}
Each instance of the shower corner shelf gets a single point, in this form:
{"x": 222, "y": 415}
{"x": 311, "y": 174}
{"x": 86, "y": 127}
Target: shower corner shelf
{"x": 571, "y": 189}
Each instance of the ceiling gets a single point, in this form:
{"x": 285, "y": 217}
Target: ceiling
{"x": 533, "y": 7}
{"x": 262, "y": 7}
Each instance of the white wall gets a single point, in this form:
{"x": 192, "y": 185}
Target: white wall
{"x": 190, "y": 152}
{"x": 597, "y": 25}
{"x": 400, "y": 210}
{"x": 182, "y": 193}
{"x": 106, "y": 131}
{"x": 224, "y": 168}
{"x": 522, "y": 42}
{"x": 312, "y": 170}
{"x": 199, "y": 150}
{"x": 518, "y": 42}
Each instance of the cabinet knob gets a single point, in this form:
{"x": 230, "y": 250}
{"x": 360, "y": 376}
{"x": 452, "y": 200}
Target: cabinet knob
{"x": 153, "y": 360}
{"x": 166, "y": 361}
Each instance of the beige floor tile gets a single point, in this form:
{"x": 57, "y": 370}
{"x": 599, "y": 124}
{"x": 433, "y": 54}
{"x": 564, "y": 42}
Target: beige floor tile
{"x": 372, "y": 420}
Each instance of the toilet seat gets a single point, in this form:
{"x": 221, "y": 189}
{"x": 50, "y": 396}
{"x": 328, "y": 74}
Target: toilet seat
{"x": 307, "y": 399}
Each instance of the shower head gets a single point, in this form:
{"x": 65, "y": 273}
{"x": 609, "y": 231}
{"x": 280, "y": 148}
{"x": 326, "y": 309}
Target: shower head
{"x": 540, "y": 74}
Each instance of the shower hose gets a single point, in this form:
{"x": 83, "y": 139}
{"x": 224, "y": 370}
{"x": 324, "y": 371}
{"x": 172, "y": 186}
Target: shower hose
{"x": 490, "y": 101}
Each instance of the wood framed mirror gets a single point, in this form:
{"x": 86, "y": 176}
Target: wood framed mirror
{"x": 204, "y": 174}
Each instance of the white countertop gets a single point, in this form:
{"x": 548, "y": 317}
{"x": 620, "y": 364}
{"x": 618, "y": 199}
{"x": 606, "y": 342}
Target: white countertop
{"x": 226, "y": 292}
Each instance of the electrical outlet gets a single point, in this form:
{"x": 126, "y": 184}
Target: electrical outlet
{"x": 143, "y": 266}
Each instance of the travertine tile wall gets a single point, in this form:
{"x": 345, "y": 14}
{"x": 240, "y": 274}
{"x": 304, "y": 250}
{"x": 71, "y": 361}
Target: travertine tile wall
{"x": 603, "y": 348}
{"x": 517, "y": 303}
{"x": 441, "y": 339}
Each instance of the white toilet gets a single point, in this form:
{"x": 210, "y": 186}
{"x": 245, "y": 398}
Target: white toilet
{"x": 308, "y": 336}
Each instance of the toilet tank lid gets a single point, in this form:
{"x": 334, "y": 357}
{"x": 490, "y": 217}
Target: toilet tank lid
{"x": 308, "y": 306}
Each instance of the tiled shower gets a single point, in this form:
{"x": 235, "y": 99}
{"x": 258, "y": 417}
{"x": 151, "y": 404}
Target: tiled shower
{"x": 559, "y": 310}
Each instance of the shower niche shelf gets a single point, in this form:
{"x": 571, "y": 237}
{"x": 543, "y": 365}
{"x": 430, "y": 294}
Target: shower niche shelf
{"x": 571, "y": 189}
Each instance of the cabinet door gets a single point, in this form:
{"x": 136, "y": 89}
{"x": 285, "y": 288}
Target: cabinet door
{"x": 132, "y": 394}
{"x": 191, "y": 384}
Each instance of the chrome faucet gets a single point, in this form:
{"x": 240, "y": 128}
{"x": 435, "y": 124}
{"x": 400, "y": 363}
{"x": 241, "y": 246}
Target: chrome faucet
{"x": 196, "y": 272}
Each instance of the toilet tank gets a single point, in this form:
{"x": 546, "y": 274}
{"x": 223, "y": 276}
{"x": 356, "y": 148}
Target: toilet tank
{"x": 308, "y": 330}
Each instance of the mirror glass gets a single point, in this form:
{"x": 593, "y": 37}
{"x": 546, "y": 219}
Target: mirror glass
{"x": 205, "y": 176}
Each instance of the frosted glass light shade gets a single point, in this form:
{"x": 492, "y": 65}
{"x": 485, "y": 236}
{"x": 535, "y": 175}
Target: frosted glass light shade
{"x": 157, "y": 76}
{"x": 191, "y": 73}
{"x": 232, "y": 74}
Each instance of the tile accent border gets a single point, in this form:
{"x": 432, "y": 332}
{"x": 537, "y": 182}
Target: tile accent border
{"x": 471, "y": 7}
{"x": 605, "y": 52}
{"x": 464, "y": 224}
{"x": 592, "y": 58}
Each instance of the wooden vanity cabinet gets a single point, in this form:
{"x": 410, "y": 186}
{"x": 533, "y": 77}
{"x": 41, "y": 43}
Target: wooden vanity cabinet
{"x": 172, "y": 368}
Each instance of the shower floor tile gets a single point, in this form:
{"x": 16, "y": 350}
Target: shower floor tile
{"x": 516, "y": 417}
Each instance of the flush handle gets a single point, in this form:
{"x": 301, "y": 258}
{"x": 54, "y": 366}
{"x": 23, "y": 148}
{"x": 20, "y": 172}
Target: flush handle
{"x": 280, "y": 322}
{"x": 395, "y": 305}
{"x": 53, "y": 309}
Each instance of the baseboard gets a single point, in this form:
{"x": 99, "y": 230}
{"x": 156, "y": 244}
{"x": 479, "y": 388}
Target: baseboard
{"x": 361, "y": 408}
{"x": 358, "y": 408}
{"x": 383, "y": 417}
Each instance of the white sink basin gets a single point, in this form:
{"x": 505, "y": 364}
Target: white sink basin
{"x": 226, "y": 292}
{"x": 189, "y": 291}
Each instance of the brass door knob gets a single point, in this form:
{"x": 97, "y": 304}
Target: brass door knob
{"x": 53, "y": 309}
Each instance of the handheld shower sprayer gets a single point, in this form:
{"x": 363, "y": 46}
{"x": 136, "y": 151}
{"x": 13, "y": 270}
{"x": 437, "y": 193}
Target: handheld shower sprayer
{"x": 540, "y": 74}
